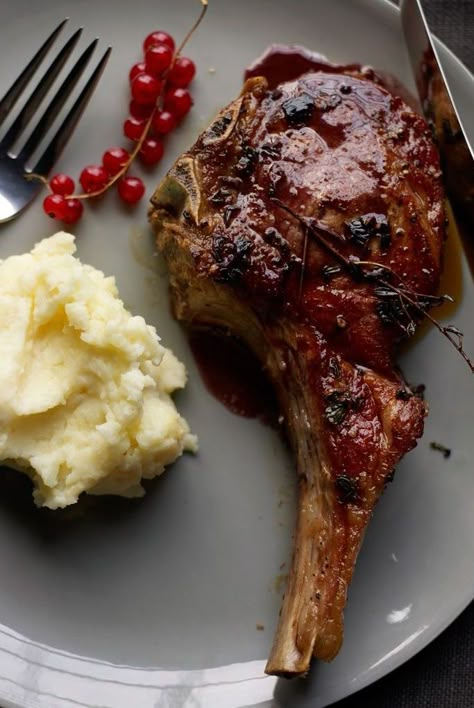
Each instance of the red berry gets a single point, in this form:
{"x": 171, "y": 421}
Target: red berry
{"x": 163, "y": 122}
{"x": 53, "y": 206}
{"x": 61, "y": 184}
{"x": 151, "y": 151}
{"x": 158, "y": 58}
{"x": 93, "y": 178}
{"x": 178, "y": 101}
{"x": 182, "y": 73}
{"x": 130, "y": 189}
{"x": 133, "y": 128}
{"x": 139, "y": 111}
{"x": 145, "y": 89}
{"x": 136, "y": 69}
{"x": 159, "y": 38}
{"x": 114, "y": 159}
{"x": 72, "y": 212}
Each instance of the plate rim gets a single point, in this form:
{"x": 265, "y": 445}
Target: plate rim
{"x": 386, "y": 665}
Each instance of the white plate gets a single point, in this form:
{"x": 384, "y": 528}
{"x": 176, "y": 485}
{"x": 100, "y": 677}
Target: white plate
{"x": 157, "y": 604}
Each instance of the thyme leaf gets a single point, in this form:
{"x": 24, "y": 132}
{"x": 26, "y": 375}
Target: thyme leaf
{"x": 347, "y": 488}
{"x": 248, "y": 161}
{"x": 336, "y": 412}
{"x": 364, "y": 228}
{"x": 441, "y": 448}
{"x": 299, "y": 110}
{"x": 339, "y": 403}
{"x": 334, "y": 368}
{"x": 330, "y": 271}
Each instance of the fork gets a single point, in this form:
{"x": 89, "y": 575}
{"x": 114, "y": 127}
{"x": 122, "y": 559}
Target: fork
{"x": 16, "y": 190}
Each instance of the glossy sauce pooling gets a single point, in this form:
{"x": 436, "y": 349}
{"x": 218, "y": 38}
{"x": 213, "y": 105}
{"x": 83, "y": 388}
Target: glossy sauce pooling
{"x": 339, "y": 149}
{"x": 233, "y": 375}
{"x": 281, "y": 62}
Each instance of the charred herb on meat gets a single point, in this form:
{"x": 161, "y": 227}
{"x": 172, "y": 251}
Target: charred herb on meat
{"x": 299, "y": 110}
{"x": 340, "y": 402}
{"x": 330, "y": 271}
{"x": 231, "y": 258}
{"x": 334, "y": 368}
{"x": 367, "y": 227}
{"x": 403, "y": 394}
{"x": 382, "y": 275}
{"x": 221, "y": 124}
{"x": 247, "y": 162}
{"x": 337, "y": 407}
{"x": 347, "y": 488}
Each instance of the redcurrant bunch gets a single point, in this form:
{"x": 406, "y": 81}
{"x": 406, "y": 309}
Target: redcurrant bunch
{"x": 159, "y": 101}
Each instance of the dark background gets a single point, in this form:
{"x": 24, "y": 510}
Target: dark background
{"x": 453, "y": 22}
{"x": 442, "y": 675}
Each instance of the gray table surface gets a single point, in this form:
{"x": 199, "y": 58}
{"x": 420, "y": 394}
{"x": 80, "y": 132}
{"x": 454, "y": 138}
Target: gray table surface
{"x": 442, "y": 675}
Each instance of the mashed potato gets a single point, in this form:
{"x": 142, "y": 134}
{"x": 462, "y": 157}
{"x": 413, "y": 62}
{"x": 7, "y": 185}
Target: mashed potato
{"x": 85, "y": 387}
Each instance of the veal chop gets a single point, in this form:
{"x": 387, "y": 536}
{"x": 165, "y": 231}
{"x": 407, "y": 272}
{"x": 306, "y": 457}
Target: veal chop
{"x": 308, "y": 220}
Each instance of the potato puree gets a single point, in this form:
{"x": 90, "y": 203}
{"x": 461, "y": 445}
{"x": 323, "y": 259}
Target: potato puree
{"x": 84, "y": 387}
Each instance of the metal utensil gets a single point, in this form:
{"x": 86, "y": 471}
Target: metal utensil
{"x": 16, "y": 191}
{"x": 457, "y": 154}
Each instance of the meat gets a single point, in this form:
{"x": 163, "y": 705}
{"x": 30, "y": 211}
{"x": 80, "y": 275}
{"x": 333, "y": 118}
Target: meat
{"x": 306, "y": 220}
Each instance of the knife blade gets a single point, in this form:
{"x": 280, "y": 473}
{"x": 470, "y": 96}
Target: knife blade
{"x": 439, "y": 108}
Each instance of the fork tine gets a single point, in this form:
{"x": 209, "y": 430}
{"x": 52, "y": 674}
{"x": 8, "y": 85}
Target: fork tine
{"x": 55, "y": 147}
{"x": 39, "y": 93}
{"x": 17, "y": 88}
{"x": 51, "y": 112}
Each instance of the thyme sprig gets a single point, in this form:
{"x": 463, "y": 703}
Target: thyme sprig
{"x": 382, "y": 276}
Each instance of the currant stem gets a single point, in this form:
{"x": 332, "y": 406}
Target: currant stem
{"x": 146, "y": 129}
{"x": 34, "y": 176}
{"x": 124, "y": 169}
{"x": 147, "y": 126}
{"x": 204, "y": 7}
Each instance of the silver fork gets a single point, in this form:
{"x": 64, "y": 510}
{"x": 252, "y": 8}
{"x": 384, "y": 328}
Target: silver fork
{"x": 16, "y": 191}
